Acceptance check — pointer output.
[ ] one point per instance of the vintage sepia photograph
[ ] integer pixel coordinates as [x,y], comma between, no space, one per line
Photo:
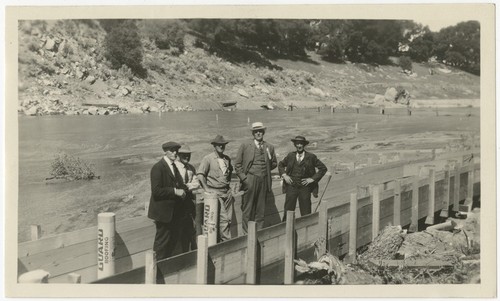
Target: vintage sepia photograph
[266,151]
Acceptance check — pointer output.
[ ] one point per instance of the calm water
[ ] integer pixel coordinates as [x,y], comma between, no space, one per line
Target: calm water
[124,147]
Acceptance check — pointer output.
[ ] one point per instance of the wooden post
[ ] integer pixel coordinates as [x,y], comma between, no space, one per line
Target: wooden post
[105,244]
[446,194]
[353,227]
[375,195]
[414,204]
[470,187]
[429,220]
[289,247]
[146,208]
[251,277]
[323,229]
[202,260]
[456,182]
[74,278]
[397,202]
[210,217]
[150,267]
[36,232]
[35,276]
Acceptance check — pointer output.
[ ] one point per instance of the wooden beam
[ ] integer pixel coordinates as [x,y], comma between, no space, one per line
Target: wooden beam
[150,267]
[446,194]
[470,188]
[353,227]
[323,229]
[414,204]
[74,278]
[202,260]
[456,182]
[289,248]
[429,220]
[251,273]
[375,194]
[36,232]
[397,202]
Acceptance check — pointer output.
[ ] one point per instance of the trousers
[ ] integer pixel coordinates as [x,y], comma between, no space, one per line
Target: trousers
[253,203]
[303,194]
[225,213]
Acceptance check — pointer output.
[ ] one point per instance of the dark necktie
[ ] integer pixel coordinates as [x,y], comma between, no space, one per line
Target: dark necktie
[177,174]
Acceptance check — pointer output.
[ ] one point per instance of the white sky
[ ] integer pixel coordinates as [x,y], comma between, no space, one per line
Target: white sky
[435,24]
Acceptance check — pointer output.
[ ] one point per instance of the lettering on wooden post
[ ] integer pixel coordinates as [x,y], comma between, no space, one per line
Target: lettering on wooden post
[375,194]
[150,267]
[289,247]
[251,277]
[397,202]
[446,193]
[414,204]
[105,244]
[202,260]
[429,220]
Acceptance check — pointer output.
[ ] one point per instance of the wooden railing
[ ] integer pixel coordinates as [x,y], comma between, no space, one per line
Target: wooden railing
[72,255]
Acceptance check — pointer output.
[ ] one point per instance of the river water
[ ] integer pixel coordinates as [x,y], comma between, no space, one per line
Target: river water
[123,148]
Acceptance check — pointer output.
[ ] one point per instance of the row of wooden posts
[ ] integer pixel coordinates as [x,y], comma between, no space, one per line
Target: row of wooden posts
[106,227]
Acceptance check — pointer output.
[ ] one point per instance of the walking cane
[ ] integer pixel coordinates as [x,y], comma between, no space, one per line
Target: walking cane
[329,175]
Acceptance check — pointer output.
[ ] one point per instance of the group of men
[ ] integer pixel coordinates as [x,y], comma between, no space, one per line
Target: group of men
[173,180]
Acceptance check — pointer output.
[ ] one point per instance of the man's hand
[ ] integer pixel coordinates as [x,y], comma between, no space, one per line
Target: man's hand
[180,192]
[306,181]
[287,179]
[244,185]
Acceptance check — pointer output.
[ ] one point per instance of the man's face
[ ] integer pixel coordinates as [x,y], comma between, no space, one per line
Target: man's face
[184,157]
[258,135]
[220,148]
[172,153]
[299,146]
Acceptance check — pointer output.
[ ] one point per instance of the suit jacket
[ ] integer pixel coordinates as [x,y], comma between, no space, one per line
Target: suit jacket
[309,163]
[164,205]
[245,156]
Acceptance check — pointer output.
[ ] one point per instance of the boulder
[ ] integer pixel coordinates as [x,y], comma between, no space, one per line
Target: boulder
[243,93]
[31,111]
[79,73]
[92,110]
[391,94]
[135,110]
[115,85]
[317,92]
[379,98]
[125,90]
[91,79]
[145,108]
[50,45]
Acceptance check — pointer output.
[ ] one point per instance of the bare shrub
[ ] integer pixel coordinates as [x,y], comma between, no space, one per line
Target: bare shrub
[66,166]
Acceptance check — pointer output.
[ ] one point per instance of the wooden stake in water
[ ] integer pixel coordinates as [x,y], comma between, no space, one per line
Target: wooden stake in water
[217,118]
[248,120]
[356,127]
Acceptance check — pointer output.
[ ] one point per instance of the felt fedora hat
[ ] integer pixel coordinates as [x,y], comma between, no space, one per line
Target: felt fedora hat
[184,149]
[300,139]
[258,126]
[170,146]
[219,140]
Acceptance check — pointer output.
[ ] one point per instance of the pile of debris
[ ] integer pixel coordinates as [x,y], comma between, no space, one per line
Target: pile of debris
[444,253]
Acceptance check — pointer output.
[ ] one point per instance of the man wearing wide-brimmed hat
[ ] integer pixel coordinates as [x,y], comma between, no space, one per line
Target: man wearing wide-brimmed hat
[301,172]
[214,174]
[253,164]
[167,206]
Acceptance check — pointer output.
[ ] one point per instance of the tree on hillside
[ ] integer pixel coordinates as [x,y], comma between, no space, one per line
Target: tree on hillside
[123,45]
[459,46]
[165,33]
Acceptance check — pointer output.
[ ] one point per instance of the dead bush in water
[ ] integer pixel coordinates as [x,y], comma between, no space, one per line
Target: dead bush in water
[71,168]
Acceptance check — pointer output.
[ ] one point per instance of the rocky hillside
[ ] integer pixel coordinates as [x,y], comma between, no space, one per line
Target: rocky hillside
[62,70]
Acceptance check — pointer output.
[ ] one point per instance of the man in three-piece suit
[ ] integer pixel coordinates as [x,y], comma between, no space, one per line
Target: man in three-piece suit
[168,206]
[254,161]
[301,172]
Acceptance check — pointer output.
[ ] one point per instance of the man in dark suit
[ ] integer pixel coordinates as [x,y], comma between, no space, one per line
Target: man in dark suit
[168,206]
[301,171]
[253,164]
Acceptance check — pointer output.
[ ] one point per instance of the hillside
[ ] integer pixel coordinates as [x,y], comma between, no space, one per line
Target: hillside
[62,70]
